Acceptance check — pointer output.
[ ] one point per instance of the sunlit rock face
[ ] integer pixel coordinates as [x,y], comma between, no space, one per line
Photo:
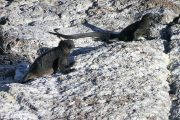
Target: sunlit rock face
[118,81]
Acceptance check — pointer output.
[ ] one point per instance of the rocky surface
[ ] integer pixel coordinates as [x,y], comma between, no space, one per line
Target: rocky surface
[116,81]
[119,81]
[174,68]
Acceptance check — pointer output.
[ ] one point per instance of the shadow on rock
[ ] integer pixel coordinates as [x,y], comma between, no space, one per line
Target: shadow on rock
[166,33]
[85,50]
[8,68]
[9,60]
[4,87]
[95,28]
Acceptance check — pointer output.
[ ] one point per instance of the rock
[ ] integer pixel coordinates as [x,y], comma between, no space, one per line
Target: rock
[115,94]
[118,81]
[175,70]
[20,71]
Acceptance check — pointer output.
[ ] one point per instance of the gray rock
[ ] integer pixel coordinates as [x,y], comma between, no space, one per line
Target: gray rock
[175,72]
[21,70]
[119,81]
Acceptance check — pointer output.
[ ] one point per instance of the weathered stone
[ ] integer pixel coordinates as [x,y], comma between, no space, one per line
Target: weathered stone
[119,81]
[174,67]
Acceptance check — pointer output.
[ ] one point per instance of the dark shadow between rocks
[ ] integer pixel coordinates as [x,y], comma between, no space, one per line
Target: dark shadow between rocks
[3,20]
[8,66]
[4,87]
[8,3]
[9,60]
[166,34]
[174,104]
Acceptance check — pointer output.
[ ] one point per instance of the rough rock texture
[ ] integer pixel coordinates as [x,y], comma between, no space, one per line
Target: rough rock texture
[119,81]
[115,81]
[174,68]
